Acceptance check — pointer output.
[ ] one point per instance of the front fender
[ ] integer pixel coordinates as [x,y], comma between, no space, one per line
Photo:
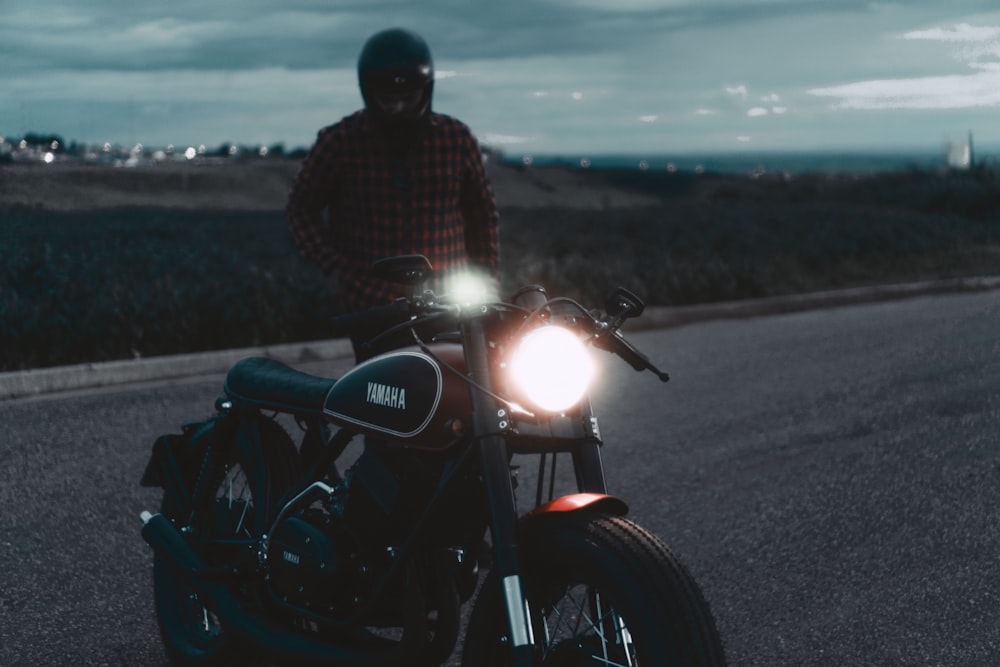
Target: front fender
[577,502]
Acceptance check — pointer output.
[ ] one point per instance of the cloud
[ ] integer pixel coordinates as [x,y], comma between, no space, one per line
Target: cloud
[976,41]
[942,92]
[738,91]
[494,139]
[981,88]
[962,32]
[510,68]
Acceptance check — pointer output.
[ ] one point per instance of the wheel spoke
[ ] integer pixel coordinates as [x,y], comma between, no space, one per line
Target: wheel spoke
[581,619]
[238,490]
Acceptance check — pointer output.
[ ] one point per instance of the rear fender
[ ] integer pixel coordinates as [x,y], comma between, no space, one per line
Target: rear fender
[176,459]
[583,502]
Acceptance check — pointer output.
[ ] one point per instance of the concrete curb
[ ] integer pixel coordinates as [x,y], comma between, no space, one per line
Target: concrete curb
[679,316]
[21,384]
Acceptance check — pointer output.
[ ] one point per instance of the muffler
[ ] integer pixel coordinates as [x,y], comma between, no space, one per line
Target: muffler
[281,644]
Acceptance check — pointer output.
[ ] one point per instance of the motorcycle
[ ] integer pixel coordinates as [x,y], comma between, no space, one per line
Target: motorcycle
[264,551]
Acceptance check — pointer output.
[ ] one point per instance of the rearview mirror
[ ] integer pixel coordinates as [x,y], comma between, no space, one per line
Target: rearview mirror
[623,304]
[403,269]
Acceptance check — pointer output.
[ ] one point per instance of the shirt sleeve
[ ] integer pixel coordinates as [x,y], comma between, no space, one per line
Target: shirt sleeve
[479,210]
[309,195]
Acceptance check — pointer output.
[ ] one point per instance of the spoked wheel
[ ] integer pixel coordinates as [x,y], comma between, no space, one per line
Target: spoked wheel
[601,591]
[225,529]
[581,627]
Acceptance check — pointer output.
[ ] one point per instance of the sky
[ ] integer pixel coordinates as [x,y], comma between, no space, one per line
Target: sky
[556,77]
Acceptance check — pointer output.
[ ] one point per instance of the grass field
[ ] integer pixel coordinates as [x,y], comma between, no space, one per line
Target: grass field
[100,284]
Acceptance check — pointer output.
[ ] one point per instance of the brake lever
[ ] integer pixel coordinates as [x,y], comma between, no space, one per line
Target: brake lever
[607,337]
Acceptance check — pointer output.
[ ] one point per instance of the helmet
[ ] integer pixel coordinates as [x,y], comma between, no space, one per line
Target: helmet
[396,75]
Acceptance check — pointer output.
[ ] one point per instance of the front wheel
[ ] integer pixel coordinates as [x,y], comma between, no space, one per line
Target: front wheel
[601,590]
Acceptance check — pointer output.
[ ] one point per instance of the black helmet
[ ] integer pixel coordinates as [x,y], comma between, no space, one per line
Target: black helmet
[396,75]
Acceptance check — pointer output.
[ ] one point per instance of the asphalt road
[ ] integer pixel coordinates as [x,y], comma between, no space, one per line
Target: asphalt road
[831,478]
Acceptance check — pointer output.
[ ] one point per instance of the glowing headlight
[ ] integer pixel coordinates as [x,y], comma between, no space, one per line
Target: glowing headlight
[552,367]
[469,288]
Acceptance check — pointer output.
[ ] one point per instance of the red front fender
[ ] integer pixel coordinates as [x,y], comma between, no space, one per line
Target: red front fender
[581,501]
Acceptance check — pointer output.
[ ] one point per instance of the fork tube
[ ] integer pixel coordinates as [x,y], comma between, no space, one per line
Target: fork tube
[587,459]
[499,491]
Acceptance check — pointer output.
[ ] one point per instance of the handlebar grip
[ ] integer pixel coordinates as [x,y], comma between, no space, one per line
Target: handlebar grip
[371,321]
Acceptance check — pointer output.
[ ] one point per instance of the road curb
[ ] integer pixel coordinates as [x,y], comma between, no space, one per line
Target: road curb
[655,318]
[21,384]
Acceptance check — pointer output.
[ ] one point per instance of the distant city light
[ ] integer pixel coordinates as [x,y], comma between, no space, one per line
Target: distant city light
[191,153]
[48,158]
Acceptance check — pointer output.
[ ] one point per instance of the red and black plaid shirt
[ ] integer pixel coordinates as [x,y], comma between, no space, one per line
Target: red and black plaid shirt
[436,201]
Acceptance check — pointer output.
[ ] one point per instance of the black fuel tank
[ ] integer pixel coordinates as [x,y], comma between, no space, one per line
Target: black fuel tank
[405,395]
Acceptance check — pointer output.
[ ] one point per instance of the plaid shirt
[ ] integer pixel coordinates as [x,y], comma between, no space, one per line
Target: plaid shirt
[435,201]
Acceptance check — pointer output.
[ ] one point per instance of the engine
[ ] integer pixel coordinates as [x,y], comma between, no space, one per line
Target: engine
[332,548]
[308,569]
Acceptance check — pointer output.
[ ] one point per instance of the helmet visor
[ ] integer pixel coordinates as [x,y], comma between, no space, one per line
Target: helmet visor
[400,102]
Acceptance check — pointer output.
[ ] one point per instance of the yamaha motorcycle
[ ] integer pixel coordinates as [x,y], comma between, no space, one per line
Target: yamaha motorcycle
[264,552]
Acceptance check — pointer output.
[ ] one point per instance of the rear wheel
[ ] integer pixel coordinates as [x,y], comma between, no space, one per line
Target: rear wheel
[192,634]
[601,591]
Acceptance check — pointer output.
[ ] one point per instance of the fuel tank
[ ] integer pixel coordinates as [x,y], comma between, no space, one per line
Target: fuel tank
[405,395]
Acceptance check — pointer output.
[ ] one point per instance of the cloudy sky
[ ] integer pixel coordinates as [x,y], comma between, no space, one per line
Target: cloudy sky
[532,76]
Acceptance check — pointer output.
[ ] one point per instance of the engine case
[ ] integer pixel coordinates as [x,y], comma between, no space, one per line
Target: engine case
[305,564]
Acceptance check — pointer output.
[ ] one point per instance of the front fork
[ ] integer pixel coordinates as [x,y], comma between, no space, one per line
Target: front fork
[495,459]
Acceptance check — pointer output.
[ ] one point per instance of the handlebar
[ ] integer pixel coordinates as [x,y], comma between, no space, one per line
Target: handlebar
[378,322]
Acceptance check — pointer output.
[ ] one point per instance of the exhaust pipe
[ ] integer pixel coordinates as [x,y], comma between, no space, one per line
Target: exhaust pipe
[167,541]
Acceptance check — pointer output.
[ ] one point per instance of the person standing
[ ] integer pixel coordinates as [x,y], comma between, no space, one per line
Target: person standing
[393,178]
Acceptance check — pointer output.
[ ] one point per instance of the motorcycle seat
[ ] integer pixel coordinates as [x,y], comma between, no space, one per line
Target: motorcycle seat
[267,383]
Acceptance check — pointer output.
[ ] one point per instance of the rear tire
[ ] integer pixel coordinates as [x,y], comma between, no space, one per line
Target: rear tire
[192,635]
[601,591]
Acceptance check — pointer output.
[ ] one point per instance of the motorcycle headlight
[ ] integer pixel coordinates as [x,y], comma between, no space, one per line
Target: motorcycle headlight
[552,368]
[468,287]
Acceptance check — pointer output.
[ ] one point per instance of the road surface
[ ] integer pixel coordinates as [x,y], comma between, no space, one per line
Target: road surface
[831,478]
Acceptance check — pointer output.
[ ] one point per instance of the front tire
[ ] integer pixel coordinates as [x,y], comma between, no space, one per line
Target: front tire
[601,591]
[192,634]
